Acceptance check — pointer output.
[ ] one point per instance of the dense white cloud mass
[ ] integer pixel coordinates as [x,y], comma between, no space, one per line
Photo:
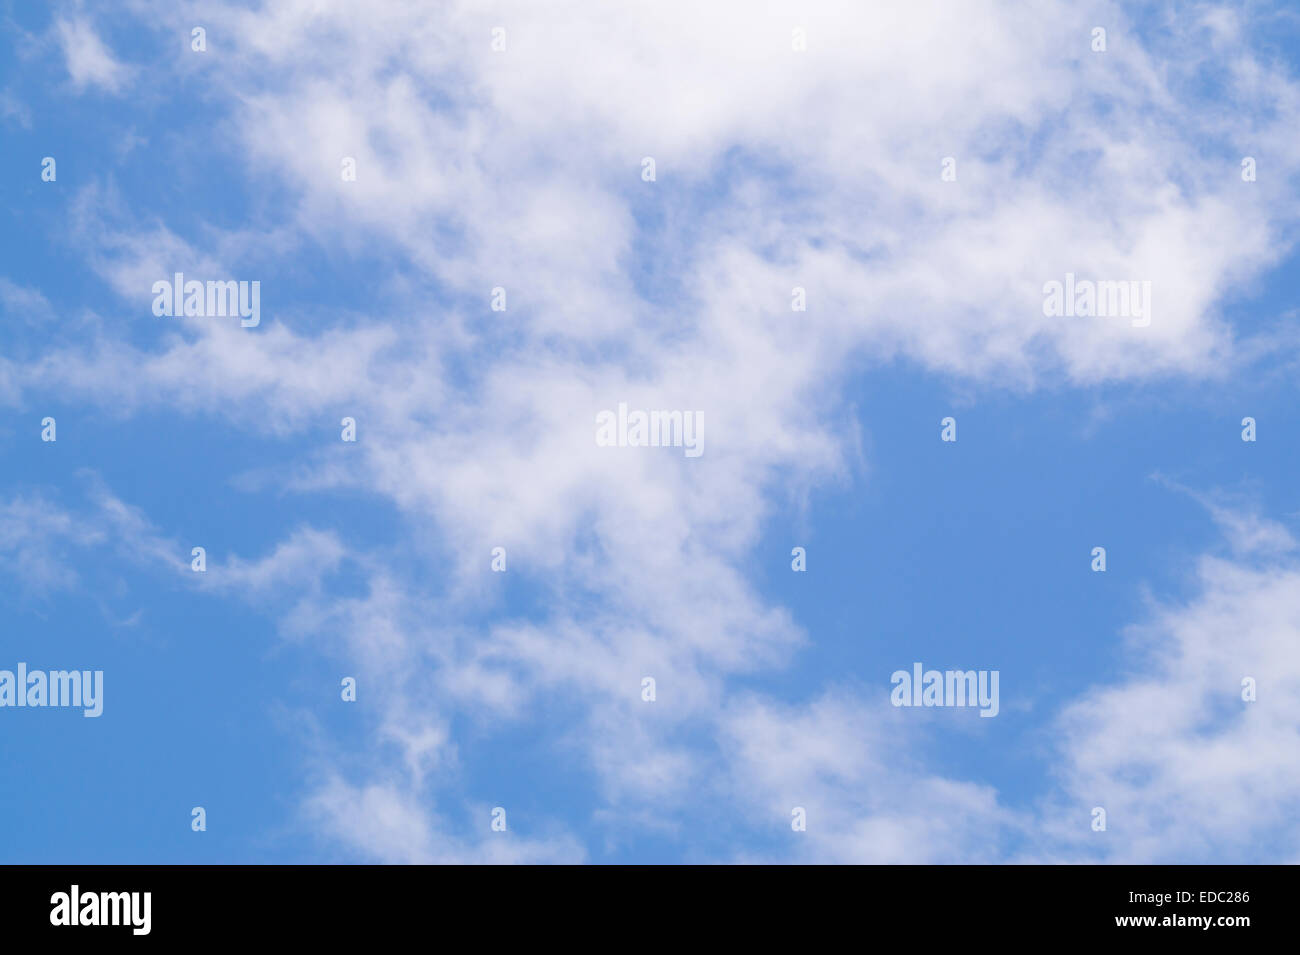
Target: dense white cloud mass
[774,169]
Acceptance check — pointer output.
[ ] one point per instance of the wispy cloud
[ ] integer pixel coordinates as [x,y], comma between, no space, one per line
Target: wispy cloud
[88,60]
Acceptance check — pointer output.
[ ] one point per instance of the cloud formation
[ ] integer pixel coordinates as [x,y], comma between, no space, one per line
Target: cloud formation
[775,169]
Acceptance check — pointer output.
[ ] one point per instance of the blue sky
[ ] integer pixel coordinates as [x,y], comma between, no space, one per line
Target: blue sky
[522,168]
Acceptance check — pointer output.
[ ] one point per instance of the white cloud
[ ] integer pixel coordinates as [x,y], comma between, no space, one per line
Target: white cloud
[1186,770]
[852,765]
[387,824]
[89,61]
[776,169]
[36,538]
